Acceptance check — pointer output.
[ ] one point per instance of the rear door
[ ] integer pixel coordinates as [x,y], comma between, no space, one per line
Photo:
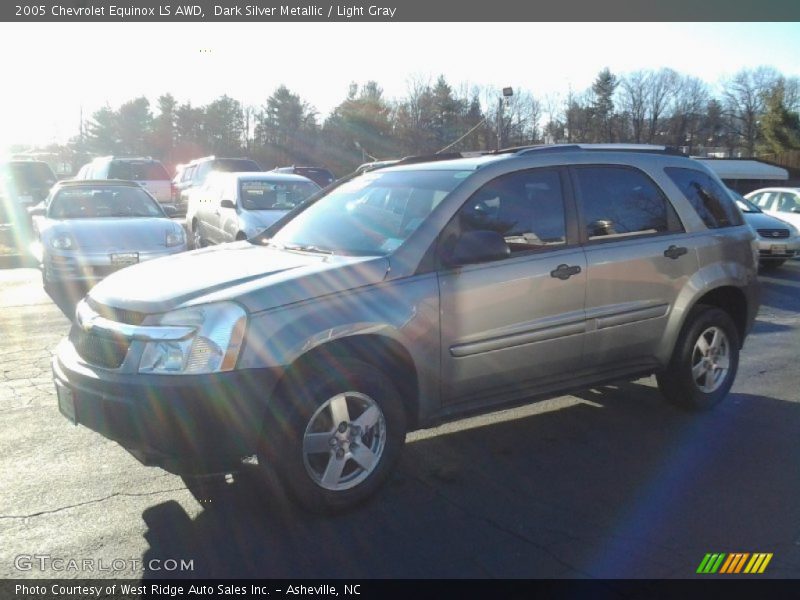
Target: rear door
[510,324]
[638,259]
[212,197]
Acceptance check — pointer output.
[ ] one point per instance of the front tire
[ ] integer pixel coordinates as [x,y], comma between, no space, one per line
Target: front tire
[704,362]
[769,265]
[334,433]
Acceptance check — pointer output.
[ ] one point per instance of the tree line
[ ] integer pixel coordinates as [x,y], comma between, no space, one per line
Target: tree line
[753,113]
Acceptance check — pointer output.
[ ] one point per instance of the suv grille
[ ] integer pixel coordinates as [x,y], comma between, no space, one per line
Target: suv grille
[773,233]
[101,351]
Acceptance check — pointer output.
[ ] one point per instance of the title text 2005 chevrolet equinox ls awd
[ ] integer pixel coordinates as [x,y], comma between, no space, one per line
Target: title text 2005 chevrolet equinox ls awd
[411,295]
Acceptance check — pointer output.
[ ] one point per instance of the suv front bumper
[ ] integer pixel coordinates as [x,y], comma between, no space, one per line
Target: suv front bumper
[186,424]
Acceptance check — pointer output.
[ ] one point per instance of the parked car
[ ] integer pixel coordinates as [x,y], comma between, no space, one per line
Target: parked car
[235,206]
[319,175]
[14,228]
[26,182]
[89,229]
[147,172]
[194,174]
[23,183]
[778,241]
[413,295]
[780,202]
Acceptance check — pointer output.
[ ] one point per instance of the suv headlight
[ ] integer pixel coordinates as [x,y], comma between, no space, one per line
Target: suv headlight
[214,347]
[62,242]
[175,238]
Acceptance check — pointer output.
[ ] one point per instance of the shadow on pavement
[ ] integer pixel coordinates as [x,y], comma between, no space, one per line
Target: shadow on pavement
[8,261]
[618,484]
[780,288]
[67,296]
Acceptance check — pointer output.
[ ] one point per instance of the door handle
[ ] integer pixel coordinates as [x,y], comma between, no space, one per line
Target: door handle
[564,272]
[674,252]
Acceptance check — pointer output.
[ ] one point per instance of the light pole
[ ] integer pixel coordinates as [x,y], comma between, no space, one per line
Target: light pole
[507,93]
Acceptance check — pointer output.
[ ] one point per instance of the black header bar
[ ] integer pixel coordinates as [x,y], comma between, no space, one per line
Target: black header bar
[399,11]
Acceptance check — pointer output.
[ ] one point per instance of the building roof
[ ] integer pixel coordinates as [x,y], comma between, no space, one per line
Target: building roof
[729,168]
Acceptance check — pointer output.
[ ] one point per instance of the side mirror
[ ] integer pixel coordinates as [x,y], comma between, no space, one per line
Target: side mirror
[170,210]
[227,204]
[37,211]
[475,247]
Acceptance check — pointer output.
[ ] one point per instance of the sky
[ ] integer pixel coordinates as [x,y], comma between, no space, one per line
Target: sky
[52,70]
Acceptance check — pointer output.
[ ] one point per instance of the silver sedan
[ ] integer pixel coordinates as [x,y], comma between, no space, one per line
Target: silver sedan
[88,229]
[778,240]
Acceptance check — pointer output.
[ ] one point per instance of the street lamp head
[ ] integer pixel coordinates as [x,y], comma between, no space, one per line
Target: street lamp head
[508,92]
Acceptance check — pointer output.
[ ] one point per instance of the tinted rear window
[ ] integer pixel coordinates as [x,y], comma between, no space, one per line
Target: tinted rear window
[712,203]
[621,201]
[315,174]
[137,171]
[232,165]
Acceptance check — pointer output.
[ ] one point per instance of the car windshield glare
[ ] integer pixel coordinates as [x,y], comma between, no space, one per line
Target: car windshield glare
[100,202]
[370,215]
[746,206]
[274,195]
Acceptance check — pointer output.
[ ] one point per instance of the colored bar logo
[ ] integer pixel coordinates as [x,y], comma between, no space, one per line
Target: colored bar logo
[736,562]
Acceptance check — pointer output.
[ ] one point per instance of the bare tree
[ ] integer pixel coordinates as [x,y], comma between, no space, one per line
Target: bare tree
[743,99]
[663,86]
[634,101]
[688,109]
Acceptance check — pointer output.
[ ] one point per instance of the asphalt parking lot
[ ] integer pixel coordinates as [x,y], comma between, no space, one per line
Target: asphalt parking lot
[608,483]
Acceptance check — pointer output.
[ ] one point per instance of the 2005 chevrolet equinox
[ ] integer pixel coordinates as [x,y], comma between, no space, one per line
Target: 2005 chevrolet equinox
[411,295]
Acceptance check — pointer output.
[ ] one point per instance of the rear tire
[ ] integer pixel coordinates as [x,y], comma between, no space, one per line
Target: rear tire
[334,434]
[769,265]
[704,362]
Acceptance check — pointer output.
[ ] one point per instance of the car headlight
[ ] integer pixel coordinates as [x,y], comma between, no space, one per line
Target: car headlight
[62,242]
[214,347]
[175,238]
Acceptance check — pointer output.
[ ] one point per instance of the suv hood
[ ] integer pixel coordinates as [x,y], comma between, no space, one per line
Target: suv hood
[763,221]
[259,277]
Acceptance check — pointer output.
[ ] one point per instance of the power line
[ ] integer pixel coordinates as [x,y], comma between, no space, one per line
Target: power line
[463,136]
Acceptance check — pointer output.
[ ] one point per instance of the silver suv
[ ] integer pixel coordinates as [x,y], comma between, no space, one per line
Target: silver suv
[236,206]
[411,295]
[194,174]
[147,172]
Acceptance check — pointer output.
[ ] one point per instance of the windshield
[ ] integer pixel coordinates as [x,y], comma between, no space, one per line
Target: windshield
[261,194]
[102,201]
[744,205]
[370,215]
[747,207]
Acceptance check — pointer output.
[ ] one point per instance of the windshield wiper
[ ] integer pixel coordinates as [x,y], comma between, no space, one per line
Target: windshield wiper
[307,248]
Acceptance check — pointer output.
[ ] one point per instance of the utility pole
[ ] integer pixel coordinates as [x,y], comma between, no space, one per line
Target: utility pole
[507,93]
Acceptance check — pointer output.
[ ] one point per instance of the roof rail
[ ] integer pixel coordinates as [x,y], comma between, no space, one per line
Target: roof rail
[410,160]
[648,148]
